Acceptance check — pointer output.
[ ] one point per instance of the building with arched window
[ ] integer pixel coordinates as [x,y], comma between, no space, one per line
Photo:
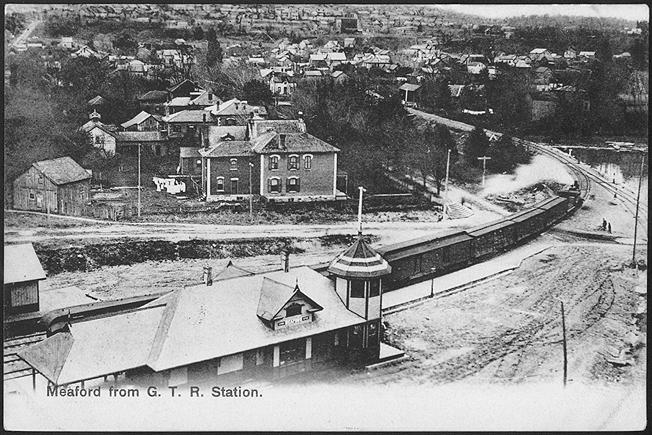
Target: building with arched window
[276,160]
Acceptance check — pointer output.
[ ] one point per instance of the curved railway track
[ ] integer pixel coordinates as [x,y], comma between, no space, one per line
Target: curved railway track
[584,176]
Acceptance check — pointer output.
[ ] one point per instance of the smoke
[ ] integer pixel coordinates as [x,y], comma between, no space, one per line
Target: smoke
[541,168]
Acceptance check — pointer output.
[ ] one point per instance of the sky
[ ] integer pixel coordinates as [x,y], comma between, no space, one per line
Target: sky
[625,11]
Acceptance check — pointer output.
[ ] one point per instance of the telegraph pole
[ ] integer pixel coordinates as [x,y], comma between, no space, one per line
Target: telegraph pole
[484,166]
[361,189]
[448,163]
[138,179]
[638,197]
[251,196]
[563,329]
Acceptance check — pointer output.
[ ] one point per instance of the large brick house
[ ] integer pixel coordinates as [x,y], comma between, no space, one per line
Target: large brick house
[278,160]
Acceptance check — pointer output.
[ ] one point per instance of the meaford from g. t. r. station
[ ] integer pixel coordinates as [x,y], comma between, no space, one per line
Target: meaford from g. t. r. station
[231,201]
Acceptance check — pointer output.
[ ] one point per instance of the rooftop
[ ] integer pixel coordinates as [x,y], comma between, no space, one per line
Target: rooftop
[21,264]
[63,170]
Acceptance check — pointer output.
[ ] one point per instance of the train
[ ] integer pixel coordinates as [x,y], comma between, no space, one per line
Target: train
[429,256]
[412,261]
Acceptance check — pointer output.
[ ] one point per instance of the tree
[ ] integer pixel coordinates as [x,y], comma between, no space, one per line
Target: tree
[198,33]
[125,42]
[503,155]
[214,52]
[476,145]
[257,92]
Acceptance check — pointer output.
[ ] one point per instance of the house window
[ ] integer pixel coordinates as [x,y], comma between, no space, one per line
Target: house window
[40,179]
[374,288]
[273,162]
[275,185]
[234,186]
[234,164]
[220,184]
[307,162]
[293,184]
[198,163]
[31,196]
[357,288]
[98,140]
[293,162]
[293,310]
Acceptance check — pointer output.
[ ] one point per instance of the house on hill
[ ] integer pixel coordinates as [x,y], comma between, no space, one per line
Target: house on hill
[22,273]
[57,186]
[283,162]
[143,122]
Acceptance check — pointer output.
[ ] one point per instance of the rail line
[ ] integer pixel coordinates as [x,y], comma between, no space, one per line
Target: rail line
[584,176]
[13,366]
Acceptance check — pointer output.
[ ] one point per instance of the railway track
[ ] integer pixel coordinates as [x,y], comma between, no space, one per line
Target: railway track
[13,366]
[584,176]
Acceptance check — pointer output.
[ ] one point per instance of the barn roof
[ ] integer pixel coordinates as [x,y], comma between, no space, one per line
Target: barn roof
[21,264]
[63,170]
[359,261]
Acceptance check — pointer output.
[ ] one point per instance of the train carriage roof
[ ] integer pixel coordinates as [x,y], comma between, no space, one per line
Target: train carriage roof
[487,228]
[423,244]
[551,202]
[526,214]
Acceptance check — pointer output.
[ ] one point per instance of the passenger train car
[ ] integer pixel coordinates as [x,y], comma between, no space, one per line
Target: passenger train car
[429,256]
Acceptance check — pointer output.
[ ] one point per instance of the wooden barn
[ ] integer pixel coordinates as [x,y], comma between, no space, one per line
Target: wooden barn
[58,186]
[22,274]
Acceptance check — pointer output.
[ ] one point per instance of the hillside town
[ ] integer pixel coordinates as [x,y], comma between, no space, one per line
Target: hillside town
[404,162]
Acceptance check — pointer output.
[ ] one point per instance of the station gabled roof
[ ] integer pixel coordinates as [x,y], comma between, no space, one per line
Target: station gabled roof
[359,261]
[21,264]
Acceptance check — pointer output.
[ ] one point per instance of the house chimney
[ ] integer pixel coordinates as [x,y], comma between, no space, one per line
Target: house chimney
[285,260]
[208,275]
[281,138]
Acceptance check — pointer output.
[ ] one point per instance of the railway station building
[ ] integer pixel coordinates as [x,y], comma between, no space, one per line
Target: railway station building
[237,323]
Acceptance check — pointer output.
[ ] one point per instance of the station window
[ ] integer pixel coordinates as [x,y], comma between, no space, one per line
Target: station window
[234,164]
[220,184]
[307,162]
[374,288]
[293,310]
[357,289]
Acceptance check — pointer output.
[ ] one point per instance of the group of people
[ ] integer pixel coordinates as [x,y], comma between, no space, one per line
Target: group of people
[606,226]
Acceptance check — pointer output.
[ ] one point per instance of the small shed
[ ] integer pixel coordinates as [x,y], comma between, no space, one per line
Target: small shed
[22,273]
[410,92]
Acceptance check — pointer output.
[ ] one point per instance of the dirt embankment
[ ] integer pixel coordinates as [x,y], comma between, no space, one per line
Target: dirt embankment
[85,257]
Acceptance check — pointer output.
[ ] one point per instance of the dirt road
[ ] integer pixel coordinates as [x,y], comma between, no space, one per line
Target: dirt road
[509,330]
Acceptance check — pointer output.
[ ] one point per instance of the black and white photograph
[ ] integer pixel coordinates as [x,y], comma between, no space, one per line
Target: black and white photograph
[325,217]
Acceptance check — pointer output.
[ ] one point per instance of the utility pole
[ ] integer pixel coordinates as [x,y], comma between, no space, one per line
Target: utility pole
[251,196]
[638,197]
[448,164]
[138,179]
[484,166]
[563,329]
[362,189]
